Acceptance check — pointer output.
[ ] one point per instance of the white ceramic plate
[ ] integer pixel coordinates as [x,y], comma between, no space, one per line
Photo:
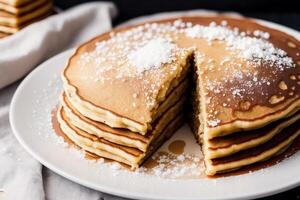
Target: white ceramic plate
[30,121]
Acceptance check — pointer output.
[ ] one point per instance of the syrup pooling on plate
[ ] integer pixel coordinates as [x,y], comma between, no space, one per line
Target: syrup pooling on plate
[177,147]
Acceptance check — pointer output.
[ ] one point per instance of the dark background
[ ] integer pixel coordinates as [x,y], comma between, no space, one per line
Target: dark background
[286,12]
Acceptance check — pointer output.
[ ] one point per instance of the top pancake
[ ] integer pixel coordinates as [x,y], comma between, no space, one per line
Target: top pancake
[105,80]
[3,35]
[236,93]
[17,11]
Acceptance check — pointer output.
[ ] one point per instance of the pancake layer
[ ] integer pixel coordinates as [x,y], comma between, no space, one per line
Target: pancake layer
[3,35]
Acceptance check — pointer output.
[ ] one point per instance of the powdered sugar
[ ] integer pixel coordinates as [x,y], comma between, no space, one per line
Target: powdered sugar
[213,123]
[47,99]
[249,48]
[258,50]
[211,32]
[261,34]
[174,166]
[153,55]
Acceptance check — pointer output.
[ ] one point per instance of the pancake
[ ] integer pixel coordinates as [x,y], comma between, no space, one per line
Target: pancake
[3,35]
[16,21]
[122,136]
[22,9]
[245,93]
[12,30]
[228,145]
[103,148]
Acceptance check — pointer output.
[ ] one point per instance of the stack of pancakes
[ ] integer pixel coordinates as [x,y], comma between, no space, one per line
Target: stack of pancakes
[16,14]
[125,91]
[132,115]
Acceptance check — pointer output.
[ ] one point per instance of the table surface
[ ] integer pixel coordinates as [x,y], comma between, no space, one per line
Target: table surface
[286,13]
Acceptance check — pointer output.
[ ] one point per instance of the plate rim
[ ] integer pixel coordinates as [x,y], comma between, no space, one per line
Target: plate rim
[114,191]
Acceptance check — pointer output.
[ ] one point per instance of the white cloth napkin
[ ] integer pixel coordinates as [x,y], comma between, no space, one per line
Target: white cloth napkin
[21,52]
[21,177]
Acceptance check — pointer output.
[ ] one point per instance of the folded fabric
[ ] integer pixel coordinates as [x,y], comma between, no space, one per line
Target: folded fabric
[20,175]
[24,50]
